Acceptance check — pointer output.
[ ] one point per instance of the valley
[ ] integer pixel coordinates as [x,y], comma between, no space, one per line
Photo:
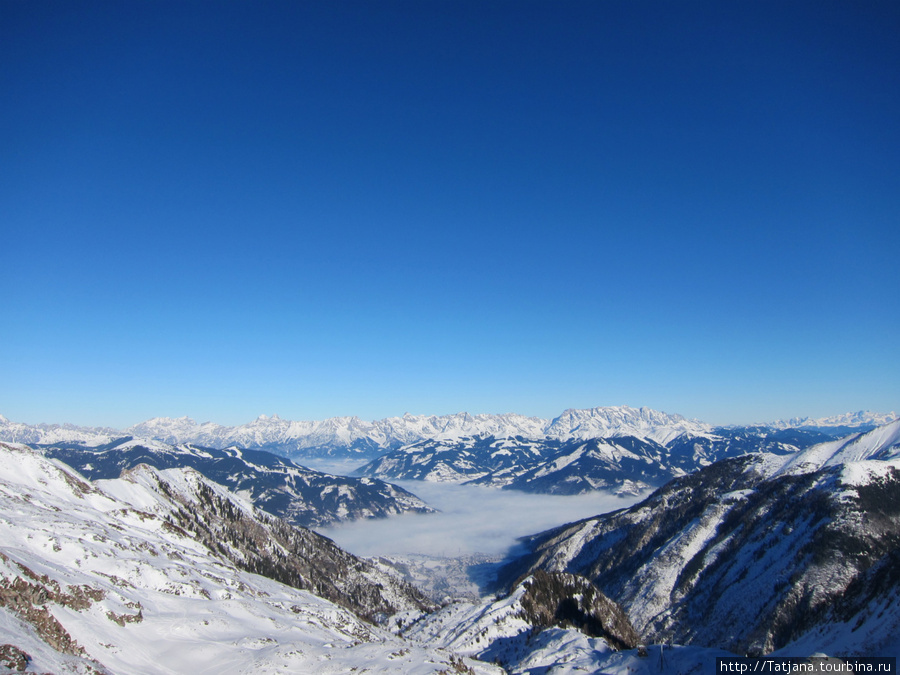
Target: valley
[457,552]
[448,337]
[762,540]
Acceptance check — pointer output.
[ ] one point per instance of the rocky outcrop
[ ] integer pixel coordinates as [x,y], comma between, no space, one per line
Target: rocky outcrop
[271,547]
[13,658]
[571,601]
[741,555]
[30,596]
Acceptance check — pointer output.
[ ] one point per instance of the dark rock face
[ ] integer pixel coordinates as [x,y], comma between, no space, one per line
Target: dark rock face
[571,601]
[730,558]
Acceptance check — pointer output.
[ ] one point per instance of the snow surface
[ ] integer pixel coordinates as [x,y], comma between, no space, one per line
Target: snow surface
[389,433]
[495,629]
[718,580]
[882,443]
[163,603]
[160,601]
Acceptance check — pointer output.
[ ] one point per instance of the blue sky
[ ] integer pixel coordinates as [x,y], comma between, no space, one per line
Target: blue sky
[369,208]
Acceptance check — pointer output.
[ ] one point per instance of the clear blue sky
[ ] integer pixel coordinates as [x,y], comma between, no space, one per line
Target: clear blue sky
[223,209]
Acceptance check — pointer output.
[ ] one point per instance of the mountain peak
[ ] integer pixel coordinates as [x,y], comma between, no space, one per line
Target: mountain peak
[363,439]
[623,420]
[848,419]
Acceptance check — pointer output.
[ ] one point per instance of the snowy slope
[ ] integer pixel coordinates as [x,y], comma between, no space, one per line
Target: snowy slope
[104,581]
[506,630]
[754,553]
[881,443]
[275,484]
[525,637]
[622,464]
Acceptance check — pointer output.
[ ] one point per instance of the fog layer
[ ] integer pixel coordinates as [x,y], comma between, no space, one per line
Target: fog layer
[471,520]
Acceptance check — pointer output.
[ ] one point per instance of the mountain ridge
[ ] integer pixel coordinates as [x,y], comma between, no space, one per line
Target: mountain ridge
[625,465]
[354,437]
[275,484]
[751,554]
[164,572]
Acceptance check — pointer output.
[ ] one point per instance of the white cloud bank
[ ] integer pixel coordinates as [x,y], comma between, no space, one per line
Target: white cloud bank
[472,520]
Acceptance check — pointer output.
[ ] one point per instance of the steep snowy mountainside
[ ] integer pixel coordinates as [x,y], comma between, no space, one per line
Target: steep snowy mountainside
[274,484]
[880,443]
[112,579]
[260,543]
[558,623]
[752,553]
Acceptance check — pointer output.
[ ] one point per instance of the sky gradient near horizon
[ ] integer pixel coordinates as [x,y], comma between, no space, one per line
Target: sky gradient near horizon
[318,209]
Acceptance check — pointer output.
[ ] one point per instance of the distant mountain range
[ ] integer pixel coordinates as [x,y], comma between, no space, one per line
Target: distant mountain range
[353,437]
[621,464]
[787,550]
[621,449]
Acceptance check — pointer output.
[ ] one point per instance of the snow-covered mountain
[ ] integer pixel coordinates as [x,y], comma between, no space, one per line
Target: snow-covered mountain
[838,424]
[341,436]
[753,554]
[18,432]
[149,573]
[609,422]
[501,630]
[353,437]
[164,571]
[622,464]
[273,483]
